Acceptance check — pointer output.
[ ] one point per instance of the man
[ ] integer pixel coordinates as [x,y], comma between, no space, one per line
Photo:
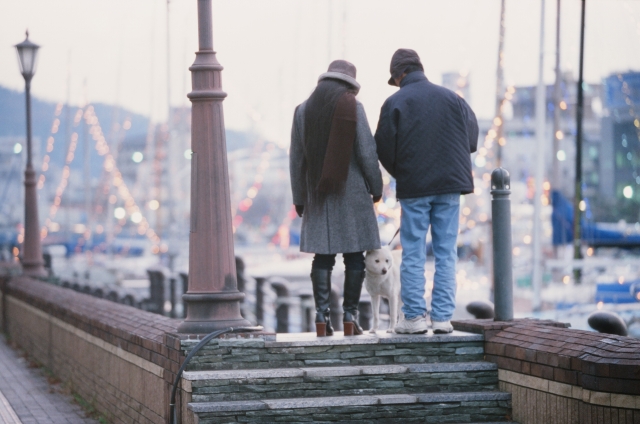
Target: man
[424,139]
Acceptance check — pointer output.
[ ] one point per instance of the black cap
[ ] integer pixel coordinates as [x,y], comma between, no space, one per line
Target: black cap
[401,60]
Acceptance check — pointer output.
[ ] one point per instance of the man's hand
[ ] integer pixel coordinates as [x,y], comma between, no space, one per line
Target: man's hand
[299,210]
[376,199]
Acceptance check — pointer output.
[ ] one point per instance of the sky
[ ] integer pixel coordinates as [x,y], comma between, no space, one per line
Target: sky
[116,51]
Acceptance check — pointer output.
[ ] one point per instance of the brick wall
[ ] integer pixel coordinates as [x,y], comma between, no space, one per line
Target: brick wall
[113,355]
[549,368]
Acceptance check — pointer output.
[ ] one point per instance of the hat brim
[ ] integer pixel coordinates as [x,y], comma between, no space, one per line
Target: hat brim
[392,82]
[340,76]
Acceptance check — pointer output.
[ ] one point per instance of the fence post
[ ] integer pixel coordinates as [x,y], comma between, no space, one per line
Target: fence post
[260,300]
[281,287]
[172,296]
[502,252]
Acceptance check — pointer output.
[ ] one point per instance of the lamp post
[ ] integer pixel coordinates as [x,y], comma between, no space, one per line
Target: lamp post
[212,298]
[32,262]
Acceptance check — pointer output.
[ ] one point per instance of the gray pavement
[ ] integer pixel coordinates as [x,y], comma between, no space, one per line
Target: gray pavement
[27,397]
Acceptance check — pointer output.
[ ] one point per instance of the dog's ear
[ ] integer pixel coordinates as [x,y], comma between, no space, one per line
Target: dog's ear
[368,252]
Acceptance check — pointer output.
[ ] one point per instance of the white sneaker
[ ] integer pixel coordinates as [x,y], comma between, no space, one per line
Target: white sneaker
[417,325]
[441,327]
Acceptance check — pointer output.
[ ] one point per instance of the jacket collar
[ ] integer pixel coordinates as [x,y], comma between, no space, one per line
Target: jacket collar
[414,76]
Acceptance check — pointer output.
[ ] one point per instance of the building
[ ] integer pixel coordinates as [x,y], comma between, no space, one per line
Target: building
[620,151]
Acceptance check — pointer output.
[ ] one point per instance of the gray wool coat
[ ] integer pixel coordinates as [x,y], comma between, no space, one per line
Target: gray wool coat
[345,222]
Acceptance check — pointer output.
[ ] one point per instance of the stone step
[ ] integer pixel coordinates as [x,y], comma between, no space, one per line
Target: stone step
[233,385]
[307,350]
[406,408]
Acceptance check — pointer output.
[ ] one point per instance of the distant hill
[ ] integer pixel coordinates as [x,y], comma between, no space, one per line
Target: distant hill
[12,124]
[13,117]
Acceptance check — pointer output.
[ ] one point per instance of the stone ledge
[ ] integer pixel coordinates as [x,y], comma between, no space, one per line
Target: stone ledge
[489,327]
[381,337]
[337,371]
[591,361]
[323,402]
[138,332]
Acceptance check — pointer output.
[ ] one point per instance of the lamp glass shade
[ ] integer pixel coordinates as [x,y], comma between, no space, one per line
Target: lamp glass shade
[27,55]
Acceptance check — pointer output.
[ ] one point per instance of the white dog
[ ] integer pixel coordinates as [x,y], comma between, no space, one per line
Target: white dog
[382,279]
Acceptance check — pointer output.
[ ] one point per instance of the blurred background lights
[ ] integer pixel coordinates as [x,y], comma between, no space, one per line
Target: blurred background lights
[480,161]
[561,155]
[137,157]
[136,217]
[187,154]
[119,213]
[627,192]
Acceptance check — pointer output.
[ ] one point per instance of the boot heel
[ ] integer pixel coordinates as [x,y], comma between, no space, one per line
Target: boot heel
[321,329]
[348,328]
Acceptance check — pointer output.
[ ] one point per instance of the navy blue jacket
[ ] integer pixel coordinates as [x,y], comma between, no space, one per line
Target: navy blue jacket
[425,136]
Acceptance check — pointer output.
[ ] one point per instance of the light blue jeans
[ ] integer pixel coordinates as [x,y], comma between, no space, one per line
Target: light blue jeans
[441,212]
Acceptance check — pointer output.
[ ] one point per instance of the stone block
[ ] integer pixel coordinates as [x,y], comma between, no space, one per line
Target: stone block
[397,399]
[328,402]
[470,350]
[331,372]
[383,369]
[326,362]
[210,407]
[243,343]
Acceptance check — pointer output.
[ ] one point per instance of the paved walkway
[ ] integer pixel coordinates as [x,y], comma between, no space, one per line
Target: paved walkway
[26,396]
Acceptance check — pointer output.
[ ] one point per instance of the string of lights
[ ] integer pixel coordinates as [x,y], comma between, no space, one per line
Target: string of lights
[50,224]
[130,206]
[50,144]
[245,204]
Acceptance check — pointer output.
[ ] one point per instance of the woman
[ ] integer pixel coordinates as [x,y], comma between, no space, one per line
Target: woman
[334,174]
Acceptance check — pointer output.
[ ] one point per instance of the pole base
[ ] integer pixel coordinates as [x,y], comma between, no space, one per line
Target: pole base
[207,312]
[34,269]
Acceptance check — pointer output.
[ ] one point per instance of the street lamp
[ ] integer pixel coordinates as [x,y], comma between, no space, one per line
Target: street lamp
[32,262]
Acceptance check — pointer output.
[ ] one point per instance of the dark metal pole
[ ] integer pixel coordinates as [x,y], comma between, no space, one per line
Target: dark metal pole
[212,300]
[32,262]
[502,253]
[555,174]
[499,120]
[577,213]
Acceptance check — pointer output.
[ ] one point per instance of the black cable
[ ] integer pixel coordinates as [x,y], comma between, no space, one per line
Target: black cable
[203,342]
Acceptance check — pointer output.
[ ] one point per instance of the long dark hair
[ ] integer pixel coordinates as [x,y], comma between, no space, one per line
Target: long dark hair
[318,115]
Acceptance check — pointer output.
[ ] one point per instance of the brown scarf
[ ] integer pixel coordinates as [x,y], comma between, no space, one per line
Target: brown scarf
[335,168]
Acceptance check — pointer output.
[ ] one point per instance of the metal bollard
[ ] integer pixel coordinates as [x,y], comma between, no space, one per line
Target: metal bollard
[172,296]
[260,300]
[365,313]
[155,303]
[502,253]
[281,287]
[307,309]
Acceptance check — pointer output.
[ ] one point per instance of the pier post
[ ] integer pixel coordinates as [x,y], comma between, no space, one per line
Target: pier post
[502,251]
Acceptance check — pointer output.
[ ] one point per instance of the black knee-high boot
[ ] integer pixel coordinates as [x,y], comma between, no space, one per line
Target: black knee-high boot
[352,289]
[321,279]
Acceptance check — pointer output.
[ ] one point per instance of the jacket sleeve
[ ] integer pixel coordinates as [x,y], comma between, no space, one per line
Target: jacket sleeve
[297,163]
[386,138]
[365,152]
[471,123]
